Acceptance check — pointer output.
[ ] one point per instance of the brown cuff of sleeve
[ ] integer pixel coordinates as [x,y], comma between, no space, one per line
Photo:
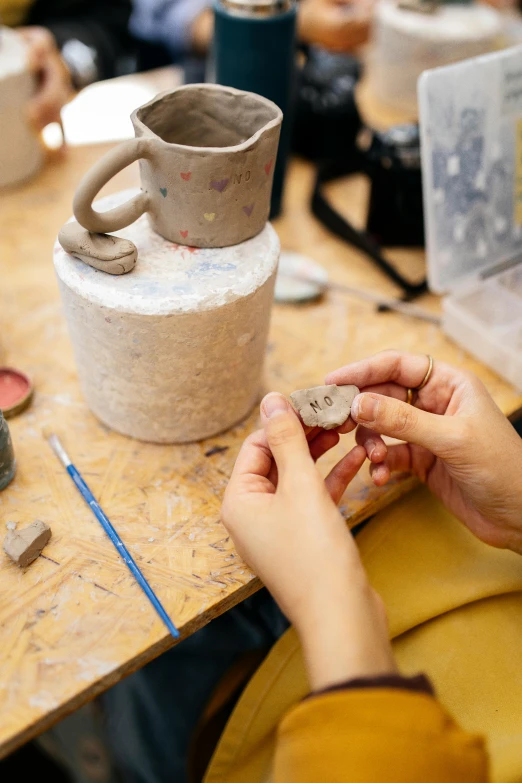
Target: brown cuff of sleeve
[418,684]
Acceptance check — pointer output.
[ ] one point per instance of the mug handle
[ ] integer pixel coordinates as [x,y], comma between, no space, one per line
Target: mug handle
[103,170]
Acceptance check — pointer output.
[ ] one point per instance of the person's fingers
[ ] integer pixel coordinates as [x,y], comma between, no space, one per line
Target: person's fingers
[372,442]
[42,53]
[348,426]
[380,473]
[311,432]
[398,460]
[388,416]
[254,458]
[35,59]
[273,475]
[387,390]
[345,470]
[39,44]
[285,436]
[404,369]
[323,442]
[52,94]
[403,458]
[54,87]
[319,442]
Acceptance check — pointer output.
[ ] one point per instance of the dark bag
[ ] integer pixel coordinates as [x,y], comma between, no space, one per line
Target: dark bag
[329,131]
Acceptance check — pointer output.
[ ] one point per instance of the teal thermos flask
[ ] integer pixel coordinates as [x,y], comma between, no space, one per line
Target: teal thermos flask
[255,50]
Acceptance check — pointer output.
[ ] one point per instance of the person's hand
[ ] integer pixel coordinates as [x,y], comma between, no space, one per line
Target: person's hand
[337,25]
[457,440]
[283,519]
[54,87]
[202,31]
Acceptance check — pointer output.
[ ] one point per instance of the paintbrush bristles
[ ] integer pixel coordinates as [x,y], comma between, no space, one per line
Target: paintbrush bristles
[57,447]
[46,431]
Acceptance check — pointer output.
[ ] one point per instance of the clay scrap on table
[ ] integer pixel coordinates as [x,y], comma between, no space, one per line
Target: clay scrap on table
[324,406]
[24,546]
[110,254]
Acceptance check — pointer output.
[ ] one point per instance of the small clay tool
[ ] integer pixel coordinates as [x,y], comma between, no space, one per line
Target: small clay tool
[324,406]
[104,521]
[300,279]
[24,546]
[105,252]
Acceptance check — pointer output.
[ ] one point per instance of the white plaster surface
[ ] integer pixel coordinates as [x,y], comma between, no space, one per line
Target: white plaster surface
[174,350]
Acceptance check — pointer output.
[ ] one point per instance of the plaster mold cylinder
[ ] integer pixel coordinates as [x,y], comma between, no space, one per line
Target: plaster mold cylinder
[172,352]
[405,43]
[21,154]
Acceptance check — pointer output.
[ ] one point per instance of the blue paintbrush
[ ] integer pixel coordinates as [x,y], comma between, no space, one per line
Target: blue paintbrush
[122,550]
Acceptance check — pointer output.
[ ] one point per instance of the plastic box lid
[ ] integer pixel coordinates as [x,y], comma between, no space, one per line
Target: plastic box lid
[471,137]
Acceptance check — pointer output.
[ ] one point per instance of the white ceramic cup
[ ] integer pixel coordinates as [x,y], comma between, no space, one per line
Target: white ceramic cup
[21,152]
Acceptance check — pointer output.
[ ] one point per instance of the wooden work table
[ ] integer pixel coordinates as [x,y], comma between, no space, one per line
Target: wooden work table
[75,622]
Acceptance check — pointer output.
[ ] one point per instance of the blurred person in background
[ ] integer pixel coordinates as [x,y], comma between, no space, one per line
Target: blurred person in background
[176,30]
[72,43]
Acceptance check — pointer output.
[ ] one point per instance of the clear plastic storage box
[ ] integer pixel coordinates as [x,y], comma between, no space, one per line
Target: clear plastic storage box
[471,130]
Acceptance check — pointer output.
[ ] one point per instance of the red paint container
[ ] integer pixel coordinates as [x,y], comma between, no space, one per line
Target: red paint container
[16,391]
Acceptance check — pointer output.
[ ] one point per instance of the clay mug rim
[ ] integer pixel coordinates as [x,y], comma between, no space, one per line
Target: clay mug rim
[217,88]
[131,150]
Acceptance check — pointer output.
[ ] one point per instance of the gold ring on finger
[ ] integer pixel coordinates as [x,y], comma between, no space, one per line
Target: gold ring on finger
[428,373]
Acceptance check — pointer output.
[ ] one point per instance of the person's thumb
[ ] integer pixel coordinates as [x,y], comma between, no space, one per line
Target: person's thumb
[389,416]
[285,435]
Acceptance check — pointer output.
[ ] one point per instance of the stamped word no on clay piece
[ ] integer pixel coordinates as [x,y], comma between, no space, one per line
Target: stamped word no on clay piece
[324,406]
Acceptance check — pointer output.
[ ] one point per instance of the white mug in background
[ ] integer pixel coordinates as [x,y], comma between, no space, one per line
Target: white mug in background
[21,152]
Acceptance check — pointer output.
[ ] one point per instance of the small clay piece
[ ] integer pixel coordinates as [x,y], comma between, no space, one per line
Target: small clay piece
[110,254]
[324,406]
[24,546]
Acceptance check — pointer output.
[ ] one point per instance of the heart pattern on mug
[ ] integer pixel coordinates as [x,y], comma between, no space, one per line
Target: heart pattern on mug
[209,216]
[163,192]
[186,175]
[219,184]
[268,166]
[184,234]
[247,209]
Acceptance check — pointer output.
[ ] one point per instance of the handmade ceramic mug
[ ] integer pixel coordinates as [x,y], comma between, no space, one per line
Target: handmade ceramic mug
[207,156]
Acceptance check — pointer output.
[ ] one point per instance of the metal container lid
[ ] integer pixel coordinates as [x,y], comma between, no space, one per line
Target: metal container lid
[257,7]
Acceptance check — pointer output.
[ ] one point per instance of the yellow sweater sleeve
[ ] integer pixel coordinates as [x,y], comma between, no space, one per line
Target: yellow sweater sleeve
[376,734]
